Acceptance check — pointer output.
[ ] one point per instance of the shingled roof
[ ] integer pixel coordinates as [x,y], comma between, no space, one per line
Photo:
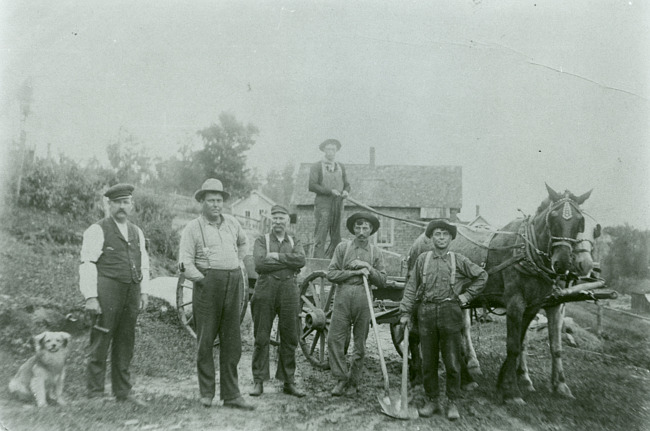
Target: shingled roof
[397,186]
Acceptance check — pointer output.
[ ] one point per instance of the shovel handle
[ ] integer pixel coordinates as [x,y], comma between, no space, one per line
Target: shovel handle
[405,368]
[375,330]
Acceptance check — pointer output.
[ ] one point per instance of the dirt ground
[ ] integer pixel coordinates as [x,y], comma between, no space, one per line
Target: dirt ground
[609,397]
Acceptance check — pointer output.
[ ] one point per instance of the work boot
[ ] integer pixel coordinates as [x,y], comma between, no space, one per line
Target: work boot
[258,389]
[130,399]
[469,387]
[238,403]
[291,389]
[452,411]
[339,389]
[429,408]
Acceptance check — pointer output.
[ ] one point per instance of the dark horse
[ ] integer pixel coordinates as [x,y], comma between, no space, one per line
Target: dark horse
[525,260]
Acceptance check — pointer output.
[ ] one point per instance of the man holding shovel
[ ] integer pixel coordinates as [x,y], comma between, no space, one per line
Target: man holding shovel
[438,286]
[351,263]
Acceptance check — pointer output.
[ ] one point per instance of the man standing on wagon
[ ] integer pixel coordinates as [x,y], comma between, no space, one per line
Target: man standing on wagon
[438,286]
[211,247]
[352,261]
[278,259]
[327,178]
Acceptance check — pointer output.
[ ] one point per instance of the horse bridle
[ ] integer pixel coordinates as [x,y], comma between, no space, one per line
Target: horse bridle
[567,214]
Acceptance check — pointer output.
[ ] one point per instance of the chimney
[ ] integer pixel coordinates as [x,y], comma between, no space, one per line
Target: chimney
[372,157]
[478,210]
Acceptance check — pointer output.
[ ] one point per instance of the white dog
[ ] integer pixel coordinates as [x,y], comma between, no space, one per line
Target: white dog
[41,377]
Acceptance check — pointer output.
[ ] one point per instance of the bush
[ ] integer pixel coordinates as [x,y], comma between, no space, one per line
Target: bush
[154,216]
[62,187]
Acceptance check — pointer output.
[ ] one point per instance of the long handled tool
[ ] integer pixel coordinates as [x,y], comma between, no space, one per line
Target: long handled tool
[390,404]
[405,412]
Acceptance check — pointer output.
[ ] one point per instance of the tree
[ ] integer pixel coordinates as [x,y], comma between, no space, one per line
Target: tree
[279,184]
[223,155]
[131,161]
[629,253]
[25,98]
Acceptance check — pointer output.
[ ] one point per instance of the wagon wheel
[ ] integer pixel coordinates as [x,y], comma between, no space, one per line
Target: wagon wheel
[317,297]
[184,290]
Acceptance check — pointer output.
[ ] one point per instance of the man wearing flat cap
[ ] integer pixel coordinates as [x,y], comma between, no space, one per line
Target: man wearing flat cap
[113,273]
[278,259]
[327,178]
[440,283]
[211,248]
[352,261]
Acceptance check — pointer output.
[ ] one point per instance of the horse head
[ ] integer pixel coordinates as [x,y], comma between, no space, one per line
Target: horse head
[558,225]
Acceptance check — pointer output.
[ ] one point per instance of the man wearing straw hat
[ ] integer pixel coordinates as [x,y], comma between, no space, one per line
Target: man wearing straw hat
[352,261]
[438,286]
[327,178]
[211,247]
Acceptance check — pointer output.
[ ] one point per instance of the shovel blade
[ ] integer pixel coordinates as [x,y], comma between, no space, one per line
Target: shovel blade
[391,405]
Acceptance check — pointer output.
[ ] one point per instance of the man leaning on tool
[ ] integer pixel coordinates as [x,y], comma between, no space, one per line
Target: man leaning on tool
[327,178]
[278,258]
[436,287]
[114,267]
[210,250]
[352,261]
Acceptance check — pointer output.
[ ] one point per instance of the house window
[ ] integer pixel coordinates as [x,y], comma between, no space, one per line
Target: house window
[247,214]
[262,211]
[385,236]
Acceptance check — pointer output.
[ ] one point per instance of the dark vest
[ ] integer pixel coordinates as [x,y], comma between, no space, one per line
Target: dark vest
[120,259]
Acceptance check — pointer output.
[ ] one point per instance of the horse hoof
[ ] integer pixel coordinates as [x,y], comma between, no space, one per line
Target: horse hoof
[564,391]
[528,386]
[516,401]
[474,369]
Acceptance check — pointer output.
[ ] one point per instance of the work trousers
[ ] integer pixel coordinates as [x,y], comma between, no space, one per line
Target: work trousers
[350,310]
[273,298]
[440,325]
[216,305]
[120,304]
[323,215]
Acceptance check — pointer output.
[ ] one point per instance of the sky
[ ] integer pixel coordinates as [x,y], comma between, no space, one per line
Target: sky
[518,93]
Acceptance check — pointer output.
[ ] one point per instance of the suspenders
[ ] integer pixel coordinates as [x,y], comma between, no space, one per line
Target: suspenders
[427,261]
[268,242]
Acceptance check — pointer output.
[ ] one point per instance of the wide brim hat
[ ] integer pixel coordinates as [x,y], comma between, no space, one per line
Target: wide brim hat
[211,185]
[329,141]
[117,191]
[374,221]
[440,224]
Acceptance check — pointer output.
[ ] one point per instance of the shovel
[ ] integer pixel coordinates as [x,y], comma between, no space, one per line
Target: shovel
[391,404]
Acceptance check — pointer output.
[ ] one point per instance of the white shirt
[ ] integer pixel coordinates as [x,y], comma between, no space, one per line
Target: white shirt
[92,248]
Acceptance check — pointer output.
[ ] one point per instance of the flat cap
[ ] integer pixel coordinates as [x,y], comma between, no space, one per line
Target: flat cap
[328,142]
[440,224]
[279,209]
[121,190]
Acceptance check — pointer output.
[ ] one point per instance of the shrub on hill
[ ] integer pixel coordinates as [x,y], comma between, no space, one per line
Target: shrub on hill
[63,187]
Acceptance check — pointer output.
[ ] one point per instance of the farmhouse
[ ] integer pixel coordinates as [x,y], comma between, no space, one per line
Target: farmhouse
[253,211]
[408,192]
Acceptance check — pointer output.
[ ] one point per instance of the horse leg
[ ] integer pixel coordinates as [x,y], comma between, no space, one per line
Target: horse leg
[523,378]
[507,380]
[473,367]
[555,316]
